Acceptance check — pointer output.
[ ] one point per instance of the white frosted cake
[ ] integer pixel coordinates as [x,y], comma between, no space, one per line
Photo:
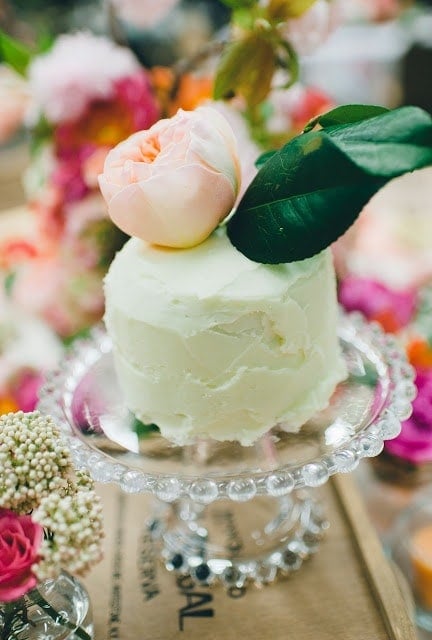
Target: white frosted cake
[209,343]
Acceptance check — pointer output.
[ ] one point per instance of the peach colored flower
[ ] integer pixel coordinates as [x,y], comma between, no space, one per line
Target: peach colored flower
[20,541]
[172,184]
[248,151]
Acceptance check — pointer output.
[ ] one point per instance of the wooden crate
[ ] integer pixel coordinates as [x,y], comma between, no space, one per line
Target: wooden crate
[347,591]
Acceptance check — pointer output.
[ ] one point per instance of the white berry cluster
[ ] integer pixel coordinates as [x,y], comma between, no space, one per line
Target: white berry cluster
[75,531]
[37,477]
[33,461]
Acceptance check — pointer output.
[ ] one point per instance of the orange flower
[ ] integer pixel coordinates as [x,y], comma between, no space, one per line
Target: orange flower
[192,91]
[419,353]
[387,319]
[8,405]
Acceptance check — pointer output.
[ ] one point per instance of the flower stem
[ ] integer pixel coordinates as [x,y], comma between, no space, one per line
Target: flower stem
[38,599]
[9,618]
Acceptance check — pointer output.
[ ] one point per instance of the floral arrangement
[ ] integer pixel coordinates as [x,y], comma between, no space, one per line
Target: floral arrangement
[88,93]
[28,347]
[407,315]
[50,517]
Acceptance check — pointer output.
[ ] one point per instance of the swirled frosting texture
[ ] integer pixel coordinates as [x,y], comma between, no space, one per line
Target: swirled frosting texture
[209,343]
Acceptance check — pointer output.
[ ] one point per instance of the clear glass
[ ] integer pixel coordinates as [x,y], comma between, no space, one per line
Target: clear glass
[59,609]
[409,544]
[207,484]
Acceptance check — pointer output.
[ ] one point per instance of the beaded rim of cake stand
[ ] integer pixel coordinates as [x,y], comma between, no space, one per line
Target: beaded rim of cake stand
[396,377]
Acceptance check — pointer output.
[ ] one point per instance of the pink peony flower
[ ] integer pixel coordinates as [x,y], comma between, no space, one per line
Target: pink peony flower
[414,443]
[172,184]
[393,309]
[79,68]
[68,178]
[20,541]
[143,13]
[136,95]
[313,27]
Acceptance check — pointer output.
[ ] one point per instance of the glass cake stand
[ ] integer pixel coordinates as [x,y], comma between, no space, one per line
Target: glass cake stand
[225,512]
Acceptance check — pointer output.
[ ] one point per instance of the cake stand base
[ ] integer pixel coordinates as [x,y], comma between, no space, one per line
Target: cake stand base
[233,543]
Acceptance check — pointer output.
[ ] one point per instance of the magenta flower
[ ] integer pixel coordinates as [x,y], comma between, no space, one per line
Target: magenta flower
[20,541]
[27,389]
[392,309]
[136,95]
[414,443]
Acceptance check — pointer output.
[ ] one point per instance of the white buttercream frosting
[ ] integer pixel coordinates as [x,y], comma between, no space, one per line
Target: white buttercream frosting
[209,343]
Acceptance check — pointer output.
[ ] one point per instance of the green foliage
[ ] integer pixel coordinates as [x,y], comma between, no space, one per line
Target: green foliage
[246,69]
[311,191]
[283,9]
[14,53]
[345,114]
[239,4]
[143,430]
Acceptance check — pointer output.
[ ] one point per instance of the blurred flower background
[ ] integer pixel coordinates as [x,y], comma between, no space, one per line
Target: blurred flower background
[77,77]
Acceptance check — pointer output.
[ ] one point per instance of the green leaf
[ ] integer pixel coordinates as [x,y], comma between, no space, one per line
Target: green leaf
[246,68]
[345,114]
[14,53]
[262,159]
[143,430]
[310,192]
[283,9]
[239,4]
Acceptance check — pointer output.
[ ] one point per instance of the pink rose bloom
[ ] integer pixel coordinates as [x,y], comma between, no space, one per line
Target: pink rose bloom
[172,184]
[20,541]
[79,68]
[307,32]
[143,13]
[415,440]
[393,309]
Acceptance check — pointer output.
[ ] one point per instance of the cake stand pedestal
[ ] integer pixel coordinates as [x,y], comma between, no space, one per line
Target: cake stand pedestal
[225,512]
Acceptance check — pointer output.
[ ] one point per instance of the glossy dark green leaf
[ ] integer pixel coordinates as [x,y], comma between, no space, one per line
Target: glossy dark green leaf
[310,192]
[345,114]
[263,158]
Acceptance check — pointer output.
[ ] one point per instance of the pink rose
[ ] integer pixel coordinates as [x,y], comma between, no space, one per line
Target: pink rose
[20,540]
[172,184]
